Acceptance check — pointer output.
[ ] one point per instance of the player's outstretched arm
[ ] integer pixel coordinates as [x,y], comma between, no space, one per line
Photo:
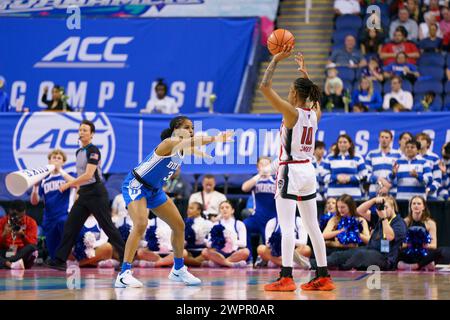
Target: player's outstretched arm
[287,110]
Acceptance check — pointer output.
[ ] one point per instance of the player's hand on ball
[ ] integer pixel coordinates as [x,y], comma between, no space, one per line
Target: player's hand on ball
[284,53]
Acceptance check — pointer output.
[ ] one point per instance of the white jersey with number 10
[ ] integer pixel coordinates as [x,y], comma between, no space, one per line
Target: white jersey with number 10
[298,143]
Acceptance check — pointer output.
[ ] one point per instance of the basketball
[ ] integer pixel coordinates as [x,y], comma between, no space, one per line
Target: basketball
[278,38]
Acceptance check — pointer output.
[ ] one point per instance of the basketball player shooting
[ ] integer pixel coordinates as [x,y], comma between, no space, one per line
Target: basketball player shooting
[296,179]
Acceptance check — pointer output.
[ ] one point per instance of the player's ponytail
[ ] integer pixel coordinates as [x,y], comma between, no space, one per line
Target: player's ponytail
[175,123]
[306,89]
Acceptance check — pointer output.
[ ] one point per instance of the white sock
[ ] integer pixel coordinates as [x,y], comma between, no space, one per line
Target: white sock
[308,213]
[286,219]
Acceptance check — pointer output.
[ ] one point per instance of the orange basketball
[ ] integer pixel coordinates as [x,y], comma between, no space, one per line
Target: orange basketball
[278,38]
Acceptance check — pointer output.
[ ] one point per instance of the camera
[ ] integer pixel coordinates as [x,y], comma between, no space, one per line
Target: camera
[380,206]
[14,222]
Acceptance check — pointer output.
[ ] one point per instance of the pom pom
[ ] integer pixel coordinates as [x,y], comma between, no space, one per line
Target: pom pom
[352,229]
[189,233]
[324,219]
[124,230]
[416,239]
[275,243]
[152,240]
[164,236]
[217,237]
[89,241]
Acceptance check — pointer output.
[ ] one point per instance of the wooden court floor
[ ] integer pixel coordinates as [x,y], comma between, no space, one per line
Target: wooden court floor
[218,284]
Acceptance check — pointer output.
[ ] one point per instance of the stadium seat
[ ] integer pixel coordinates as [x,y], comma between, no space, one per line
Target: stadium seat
[337,46]
[346,74]
[447,87]
[377,86]
[348,85]
[435,106]
[448,61]
[424,86]
[339,35]
[188,178]
[236,180]
[348,21]
[406,85]
[432,59]
[427,72]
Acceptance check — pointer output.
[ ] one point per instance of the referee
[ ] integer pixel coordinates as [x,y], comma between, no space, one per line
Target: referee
[92,199]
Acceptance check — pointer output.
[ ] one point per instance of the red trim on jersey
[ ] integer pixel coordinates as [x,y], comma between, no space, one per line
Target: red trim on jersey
[294,161]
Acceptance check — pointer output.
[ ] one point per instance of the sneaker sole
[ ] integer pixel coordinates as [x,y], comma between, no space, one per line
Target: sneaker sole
[281,290]
[176,279]
[119,284]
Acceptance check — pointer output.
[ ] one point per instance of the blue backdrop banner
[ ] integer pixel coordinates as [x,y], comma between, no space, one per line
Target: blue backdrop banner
[26,139]
[111,65]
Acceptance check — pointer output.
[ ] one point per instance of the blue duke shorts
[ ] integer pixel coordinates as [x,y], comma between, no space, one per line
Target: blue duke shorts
[133,190]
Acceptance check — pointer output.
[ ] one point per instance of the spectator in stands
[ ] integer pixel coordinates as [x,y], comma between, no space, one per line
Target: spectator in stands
[413,9]
[444,165]
[162,103]
[5,105]
[58,101]
[227,243]
[263,190]
[399,43]
[373,70]
[269,253]
[329,212]
[176,187]
[379,164]
[319,153]
[345,170]
[359,108]
[419,217]
[333,93]
[444,26]
[197,229]
[348,56]
[347,7]
[367,95]
[401,69]
[411,174]
[208,197]
[433,160]
[346,209]
[56,204]
[425,103]
[119,210]
[433,42]
[155,250]
[448,73]
[18,238]
[433,7]
[424,27]
[92,248]
[398,99]
[409,24]
[371,41]
[403,139]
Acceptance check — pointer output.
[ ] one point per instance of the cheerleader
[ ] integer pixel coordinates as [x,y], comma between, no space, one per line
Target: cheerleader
[197,229]
[345,230]
[92,248]
[419,251]
[155,250]
[227,245]
[330,212]
[271,251]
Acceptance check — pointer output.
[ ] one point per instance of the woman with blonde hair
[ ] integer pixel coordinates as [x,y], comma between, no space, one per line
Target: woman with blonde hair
[367,95]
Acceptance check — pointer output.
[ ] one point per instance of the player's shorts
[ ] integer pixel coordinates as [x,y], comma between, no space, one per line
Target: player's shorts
[296,180]
[133,190]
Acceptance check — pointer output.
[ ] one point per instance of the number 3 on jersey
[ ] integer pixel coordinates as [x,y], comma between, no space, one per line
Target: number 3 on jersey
[307,135]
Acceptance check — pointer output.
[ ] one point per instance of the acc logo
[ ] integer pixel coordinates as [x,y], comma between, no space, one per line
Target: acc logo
[37,134]
[76,52]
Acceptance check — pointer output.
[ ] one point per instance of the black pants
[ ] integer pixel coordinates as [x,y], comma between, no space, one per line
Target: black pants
[93,200]
[335,99]
[356,258]
[25,253]
[434,255]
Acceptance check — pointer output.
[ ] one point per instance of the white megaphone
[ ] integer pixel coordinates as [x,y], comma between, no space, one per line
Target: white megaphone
[19,182]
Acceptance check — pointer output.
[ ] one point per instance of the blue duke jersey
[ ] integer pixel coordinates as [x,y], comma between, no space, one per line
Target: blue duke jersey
[57,204]
[148,178]
[263,194]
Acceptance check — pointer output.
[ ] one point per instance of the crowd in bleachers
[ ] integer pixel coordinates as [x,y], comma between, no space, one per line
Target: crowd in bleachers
[398,53]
